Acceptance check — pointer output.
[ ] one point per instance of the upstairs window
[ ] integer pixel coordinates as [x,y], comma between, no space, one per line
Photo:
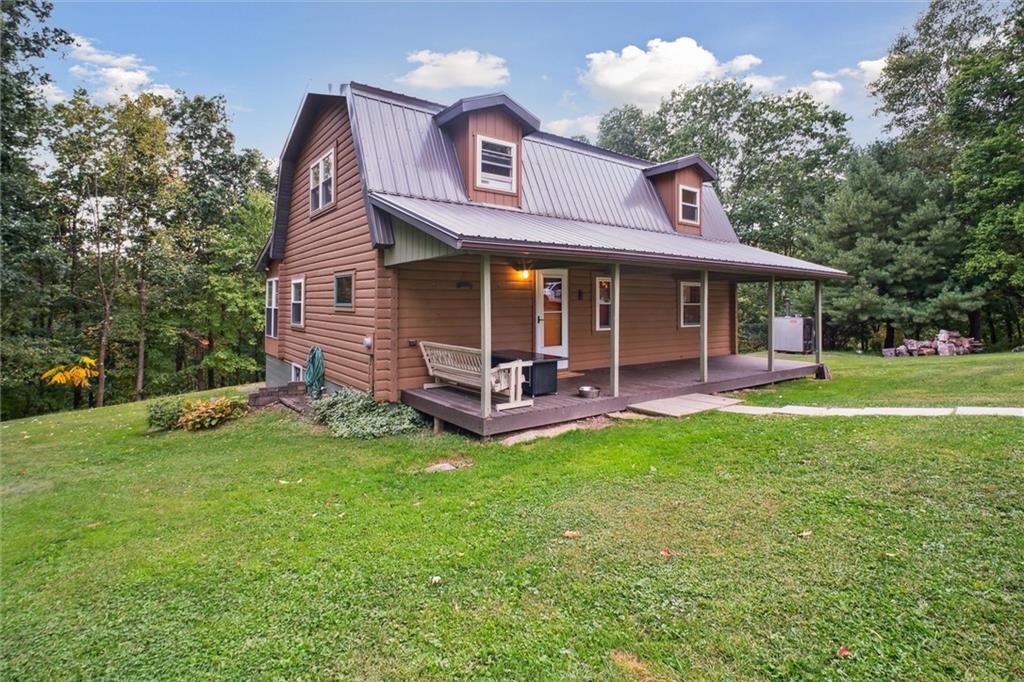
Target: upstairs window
[321,182]
[603,304]
[495,164]
[689,304]
[270,326]
[689,205]
[298,300]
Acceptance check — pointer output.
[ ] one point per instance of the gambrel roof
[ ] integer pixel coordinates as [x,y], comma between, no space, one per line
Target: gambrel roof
[576,199]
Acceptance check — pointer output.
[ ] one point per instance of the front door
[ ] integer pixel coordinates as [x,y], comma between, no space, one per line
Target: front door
[552,309]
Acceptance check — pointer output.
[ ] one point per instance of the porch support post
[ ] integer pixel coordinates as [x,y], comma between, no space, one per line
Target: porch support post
[485,336]
[704,326]
[616,278]
[771,323]
[818,330]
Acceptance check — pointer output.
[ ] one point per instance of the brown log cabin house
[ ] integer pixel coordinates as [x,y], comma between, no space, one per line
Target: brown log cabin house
[400,221]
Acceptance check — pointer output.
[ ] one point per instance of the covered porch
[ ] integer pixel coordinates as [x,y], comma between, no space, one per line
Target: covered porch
[636,383]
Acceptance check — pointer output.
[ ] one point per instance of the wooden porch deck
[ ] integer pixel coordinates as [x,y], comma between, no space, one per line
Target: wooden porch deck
[636,383]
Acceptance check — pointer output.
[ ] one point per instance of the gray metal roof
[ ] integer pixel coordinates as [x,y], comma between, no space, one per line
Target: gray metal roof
[577,199]
[485,228]
[404,152]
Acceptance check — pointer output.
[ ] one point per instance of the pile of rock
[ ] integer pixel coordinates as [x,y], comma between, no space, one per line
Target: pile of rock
[944,343]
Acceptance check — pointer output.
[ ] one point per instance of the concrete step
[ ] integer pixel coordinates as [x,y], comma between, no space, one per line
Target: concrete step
[680,406]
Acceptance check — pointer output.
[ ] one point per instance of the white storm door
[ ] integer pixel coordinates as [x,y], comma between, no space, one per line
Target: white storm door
[552,309]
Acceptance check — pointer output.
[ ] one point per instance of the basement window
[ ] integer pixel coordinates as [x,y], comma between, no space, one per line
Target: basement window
[270,326]
[495,164]
[689,205]
[321,182]
[298,373]
[689,304]
[298,301]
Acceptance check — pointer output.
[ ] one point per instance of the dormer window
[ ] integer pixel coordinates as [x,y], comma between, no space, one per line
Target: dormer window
[495,164]
[689,205]
[321,182]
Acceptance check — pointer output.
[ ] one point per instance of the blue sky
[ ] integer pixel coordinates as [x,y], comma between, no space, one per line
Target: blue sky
[565,62]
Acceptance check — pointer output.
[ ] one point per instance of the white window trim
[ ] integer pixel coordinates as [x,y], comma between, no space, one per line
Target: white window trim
[302,372]
[302,301]
[319,162]
[696,206]
[683,304]
[334,292]
[270,302]
[480,139]
[598,304]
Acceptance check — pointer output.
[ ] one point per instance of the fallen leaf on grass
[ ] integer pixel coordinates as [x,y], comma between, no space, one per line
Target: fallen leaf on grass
[666,552]
[571,534]
[843,652]
[805,533]
[633,666]
[435,580]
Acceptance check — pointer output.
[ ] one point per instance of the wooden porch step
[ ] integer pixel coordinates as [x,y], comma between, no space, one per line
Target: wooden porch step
[682,405]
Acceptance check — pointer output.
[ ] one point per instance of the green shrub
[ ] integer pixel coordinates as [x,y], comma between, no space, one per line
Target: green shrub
[165,413]
[353,414]
[207,414]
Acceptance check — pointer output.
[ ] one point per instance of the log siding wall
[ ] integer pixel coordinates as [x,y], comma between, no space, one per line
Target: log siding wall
[490,123]
[667,187]
[439,300]
[334,240]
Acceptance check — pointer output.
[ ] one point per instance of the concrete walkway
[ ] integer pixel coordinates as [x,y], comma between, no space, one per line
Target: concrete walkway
[809,411]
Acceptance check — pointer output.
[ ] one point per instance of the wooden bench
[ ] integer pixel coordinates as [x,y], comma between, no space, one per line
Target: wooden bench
[460,366]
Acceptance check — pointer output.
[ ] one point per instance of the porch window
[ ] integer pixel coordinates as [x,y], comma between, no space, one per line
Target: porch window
[689,304]
[298,301]
[321,182]
[603,304]
[689,204]
[495,164]
[344,292]
[270,325]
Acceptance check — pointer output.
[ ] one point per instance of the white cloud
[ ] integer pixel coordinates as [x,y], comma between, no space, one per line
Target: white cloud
[871,69]
[762,83]
[822,90]
[644,76]
[460,69]
[113,75]
[52,93]
[581,125]
[744,62]
[84,51]
[867,70]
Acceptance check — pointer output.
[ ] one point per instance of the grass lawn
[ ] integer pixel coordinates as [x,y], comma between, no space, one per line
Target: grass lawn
[269,549]
[870,381]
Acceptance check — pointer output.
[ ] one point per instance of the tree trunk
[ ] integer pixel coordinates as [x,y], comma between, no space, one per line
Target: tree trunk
[140,359]
[209,370]
[101,360]
[991,325]
[1009,316]
[974,324]
[890,336]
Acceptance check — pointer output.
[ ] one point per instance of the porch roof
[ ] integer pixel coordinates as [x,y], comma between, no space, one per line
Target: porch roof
[473,227]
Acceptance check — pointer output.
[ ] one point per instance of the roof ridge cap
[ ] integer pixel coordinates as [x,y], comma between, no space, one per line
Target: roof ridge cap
[551,139]
[398,98]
